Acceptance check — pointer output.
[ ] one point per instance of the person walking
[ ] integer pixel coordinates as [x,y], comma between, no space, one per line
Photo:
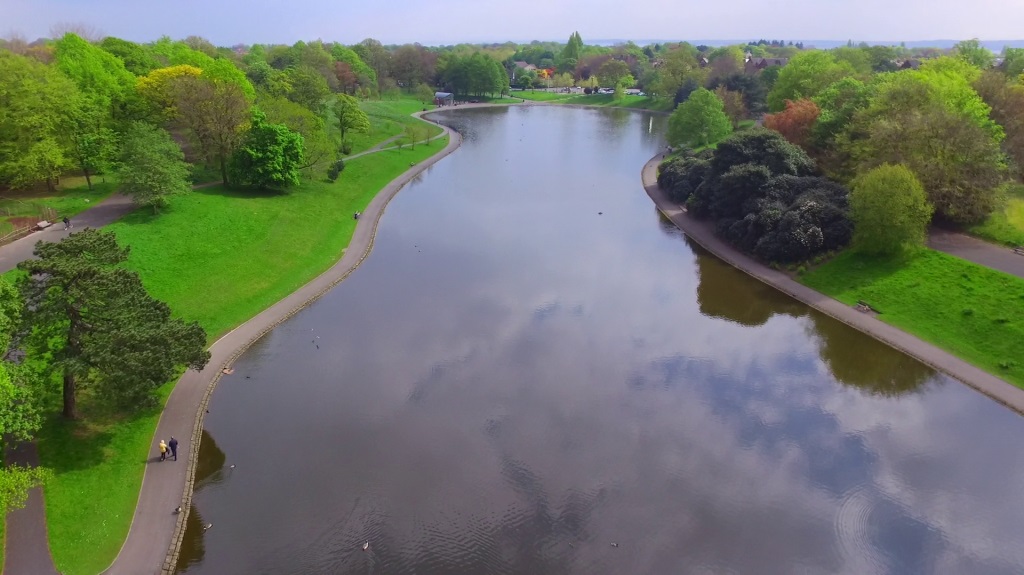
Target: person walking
[163,450]
[67,223]
[173,444]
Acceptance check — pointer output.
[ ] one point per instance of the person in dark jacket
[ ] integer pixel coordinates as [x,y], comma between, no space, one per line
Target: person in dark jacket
[173,444]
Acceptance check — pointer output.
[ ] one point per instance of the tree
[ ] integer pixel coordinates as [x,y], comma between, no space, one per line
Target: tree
[270,156]
[157,89]
[614,72]
[573,47]
[425,94]
[98,323]
[342,53]
[308,88]
[36,103]
[376,56]
[1007,102]
[699,121]
[348,81]
[99,75]
[805,76]
[19,393]
[350,117]
[972,52]
[1013,62]
[136,59]
[215,112]
[751,87]
[889,209]
[920,121]
[151,167]
[796,122]
[320,139]
[732,103]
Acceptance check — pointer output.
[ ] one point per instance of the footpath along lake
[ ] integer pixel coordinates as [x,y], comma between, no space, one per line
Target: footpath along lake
[534,373]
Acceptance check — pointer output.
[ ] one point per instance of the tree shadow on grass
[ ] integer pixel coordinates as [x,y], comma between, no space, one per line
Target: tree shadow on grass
[242,193]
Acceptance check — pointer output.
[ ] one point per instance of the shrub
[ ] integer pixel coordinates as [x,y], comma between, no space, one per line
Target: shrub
[346,148]
[335,170]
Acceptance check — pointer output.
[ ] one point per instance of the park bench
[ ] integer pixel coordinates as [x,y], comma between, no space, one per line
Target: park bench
[864,307]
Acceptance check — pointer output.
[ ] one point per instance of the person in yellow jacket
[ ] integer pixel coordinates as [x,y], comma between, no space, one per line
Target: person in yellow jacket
[163,450]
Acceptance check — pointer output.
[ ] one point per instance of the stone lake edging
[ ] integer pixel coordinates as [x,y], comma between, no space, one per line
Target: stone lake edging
[154,541]
[703,233]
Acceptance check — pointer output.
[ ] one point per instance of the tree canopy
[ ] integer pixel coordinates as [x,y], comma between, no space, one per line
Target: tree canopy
[806,76]
[96,321]
[889,209]
[699,121]
[270,156]
[151,167]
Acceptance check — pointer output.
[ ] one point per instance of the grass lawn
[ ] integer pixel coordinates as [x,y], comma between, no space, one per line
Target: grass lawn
[973,312]
[388,118]
[70,198]
[219,257]
[1006,224]
[541,96]
[635,102]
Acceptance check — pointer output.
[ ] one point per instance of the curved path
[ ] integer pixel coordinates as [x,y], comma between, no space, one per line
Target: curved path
[703,233]
[978,251]
[169,485]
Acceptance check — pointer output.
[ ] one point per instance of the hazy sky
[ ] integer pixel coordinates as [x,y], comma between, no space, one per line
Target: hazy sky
[226,22]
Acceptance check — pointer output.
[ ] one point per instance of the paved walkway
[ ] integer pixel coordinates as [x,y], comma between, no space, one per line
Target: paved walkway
[977,251]
[167,485]
[702,232]
[27,546]
[106,212]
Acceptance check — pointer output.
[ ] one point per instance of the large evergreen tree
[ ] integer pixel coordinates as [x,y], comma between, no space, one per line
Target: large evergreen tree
[95,320]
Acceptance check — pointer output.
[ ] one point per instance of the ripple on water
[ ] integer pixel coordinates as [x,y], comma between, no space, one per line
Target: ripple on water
[853,531]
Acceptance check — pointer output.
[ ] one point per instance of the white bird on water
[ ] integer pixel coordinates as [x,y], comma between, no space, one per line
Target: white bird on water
[207,526]
[366,546]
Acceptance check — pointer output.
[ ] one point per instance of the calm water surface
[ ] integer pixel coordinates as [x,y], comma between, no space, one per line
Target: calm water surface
[532,366]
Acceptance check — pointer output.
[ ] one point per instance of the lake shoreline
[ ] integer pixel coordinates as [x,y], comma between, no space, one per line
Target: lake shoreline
[702,233]
[153,543]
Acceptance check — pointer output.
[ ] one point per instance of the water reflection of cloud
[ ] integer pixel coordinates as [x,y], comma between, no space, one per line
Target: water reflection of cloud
[589,396]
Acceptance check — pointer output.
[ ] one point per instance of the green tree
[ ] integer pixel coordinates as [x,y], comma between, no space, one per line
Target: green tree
[270,156]
[99,75]
[805,76]
[889,209]
[350,117]
[217,69]
[320,140]
[911,122]
[425,94]
[573,47]
[91,144]
[35,114]
[342,53]
[308,88]
[98,324]
[19,391]
[135,57]
[151,167]
[1013,62]
[215,112]
[972,52]
[613,73]
[699,121]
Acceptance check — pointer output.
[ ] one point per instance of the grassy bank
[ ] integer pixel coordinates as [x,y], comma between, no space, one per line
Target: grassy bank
[973,312]
[1006,224]
[602,100]
[388,119]
[219,257]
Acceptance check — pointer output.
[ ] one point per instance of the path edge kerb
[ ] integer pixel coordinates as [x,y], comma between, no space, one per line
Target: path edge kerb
[997,389]
[336,274]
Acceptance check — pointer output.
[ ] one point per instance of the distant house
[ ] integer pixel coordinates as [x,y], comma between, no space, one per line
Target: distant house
[911,64]
[444,99]
[756,65]
[524,65]
[703,61]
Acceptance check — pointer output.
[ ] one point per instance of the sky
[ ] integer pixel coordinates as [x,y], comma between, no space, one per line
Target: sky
[434,22]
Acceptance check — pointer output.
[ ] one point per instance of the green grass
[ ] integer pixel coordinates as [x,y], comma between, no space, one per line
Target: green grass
[542,96]
[388,118]
[608,100]
[973,312]
[219,257]
[97,465]
[1006,224]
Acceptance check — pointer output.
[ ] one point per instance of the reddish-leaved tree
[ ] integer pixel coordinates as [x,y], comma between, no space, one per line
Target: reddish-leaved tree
[795,122]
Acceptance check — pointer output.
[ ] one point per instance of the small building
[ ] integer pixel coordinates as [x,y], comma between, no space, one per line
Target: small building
[444,99]
[756,65]
[524,65]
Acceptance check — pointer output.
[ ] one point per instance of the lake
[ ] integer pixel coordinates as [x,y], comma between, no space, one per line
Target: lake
[534,372]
